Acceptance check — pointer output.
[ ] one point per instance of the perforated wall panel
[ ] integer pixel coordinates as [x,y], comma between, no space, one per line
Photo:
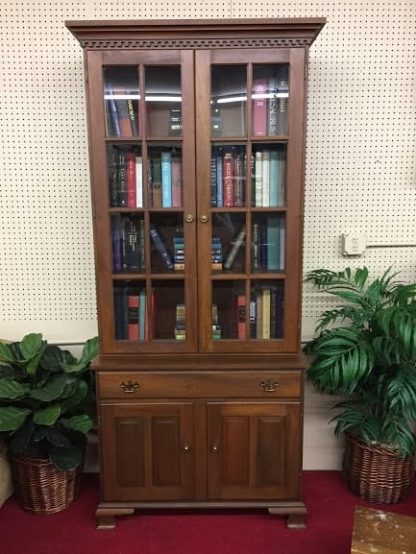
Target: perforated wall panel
[360,168]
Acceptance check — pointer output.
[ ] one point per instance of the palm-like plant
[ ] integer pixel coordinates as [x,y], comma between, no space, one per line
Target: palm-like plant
[365,350]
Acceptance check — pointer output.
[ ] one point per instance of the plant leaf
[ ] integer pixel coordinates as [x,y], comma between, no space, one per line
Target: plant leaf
[53,388]
[21,438]
[47,416]
[65,458]
[30,345]
[6,355]
[12,418]
[57,438]
[81,423]
[12,390]
[89,352]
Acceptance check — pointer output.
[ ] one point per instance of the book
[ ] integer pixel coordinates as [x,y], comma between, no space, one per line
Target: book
[122,181]
[283,89]
[131,179]
[265,312]
[116,239]
[272,109]
[259,107]
[252,318]
[123,113]
[176,182]
[113,177]
[132,109]
[130,243]
[139,181]
[175,121]
[273,227]
[258,179]
[161,248]
[219,181]
[216,328]
[178,253]
[213,181]
[180,322]
[255,238]
[239,179]
[265,202]
[142,245]
[113,125]
[216,260]
[259,314]
[228,180]
[133,316]
[241,316]
[282,245]
[120,313]
[235,249]
[156,181]
[274,179]
[166,169]
[142,315]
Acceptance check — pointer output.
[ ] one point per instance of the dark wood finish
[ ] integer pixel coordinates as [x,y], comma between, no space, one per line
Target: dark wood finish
[199,423]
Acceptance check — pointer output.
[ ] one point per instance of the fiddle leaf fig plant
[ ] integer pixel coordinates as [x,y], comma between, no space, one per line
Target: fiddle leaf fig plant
[46,400]
[365,350]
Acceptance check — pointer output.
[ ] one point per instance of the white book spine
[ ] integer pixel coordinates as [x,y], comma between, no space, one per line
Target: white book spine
[139,182]
[266,181]
[258,178]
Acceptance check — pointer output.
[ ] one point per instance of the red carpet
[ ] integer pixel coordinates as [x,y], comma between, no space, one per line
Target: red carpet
[330,506]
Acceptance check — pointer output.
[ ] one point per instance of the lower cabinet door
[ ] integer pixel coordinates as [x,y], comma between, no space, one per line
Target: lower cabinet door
[254,450]
[147,451]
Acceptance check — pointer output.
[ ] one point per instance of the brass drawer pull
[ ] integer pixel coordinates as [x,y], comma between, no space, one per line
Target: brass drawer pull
[129,387]
[269,386]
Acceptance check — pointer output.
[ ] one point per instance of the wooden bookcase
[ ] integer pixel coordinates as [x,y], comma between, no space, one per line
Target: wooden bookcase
[196,134]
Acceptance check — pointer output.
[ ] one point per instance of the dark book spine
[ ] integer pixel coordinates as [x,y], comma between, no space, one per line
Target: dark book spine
[256,247]
[263,246]
[131,244]
[239,180]
[214,181]
[161,248]
[113,123]
[131,105]
[113,179]
[116,238]
[228,180]
[122,181]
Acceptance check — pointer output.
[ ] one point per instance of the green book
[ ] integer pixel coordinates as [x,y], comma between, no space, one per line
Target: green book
[273,243]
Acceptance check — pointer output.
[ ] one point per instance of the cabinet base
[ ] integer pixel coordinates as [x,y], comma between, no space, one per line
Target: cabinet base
[107,511]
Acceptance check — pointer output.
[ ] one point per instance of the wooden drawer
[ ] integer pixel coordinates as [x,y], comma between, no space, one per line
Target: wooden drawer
[205,384]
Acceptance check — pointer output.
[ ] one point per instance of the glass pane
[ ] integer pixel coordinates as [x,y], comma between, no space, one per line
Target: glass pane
[125,176]
[164,169]
[269,175]
[266,310]
[228,176]
[130,313]
[167,242]
[163,101]
[270,99]
[128,238]
[228,242]
[168,310]
[228,310]
[268,242]
[228,100]
[121,95]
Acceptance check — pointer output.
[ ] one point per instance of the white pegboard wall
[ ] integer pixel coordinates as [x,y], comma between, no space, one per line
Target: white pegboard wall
[360,157]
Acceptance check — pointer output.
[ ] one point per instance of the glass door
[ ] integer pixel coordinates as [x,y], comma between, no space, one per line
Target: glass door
[249,172]
[144,197]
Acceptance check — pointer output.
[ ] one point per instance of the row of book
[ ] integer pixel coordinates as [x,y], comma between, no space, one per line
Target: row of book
[268,244]
[228,177]
[122,111]
[270,102]
[128,239]
[130,313]
[165,180]
[269,177]
[126,178]
[265,314]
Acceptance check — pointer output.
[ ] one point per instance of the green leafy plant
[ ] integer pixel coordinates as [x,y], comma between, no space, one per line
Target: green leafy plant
[46,400]
[365,350]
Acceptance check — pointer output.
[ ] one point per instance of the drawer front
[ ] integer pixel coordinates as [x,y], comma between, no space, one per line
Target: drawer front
[205,384]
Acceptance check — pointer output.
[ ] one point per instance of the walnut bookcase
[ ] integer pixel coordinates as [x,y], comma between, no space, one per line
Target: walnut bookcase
[196,134]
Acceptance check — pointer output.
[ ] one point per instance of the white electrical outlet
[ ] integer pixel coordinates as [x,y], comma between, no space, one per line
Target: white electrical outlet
[353,244]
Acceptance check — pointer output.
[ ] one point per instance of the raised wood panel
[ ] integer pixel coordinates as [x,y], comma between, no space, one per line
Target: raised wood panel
[130,449]
[143,452]
[254,450]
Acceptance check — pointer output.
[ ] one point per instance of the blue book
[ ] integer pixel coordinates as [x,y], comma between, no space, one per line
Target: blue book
[161,248]
[116,236]
[166,162]
[142,314]
[273,243]
[219,182]
[274,185]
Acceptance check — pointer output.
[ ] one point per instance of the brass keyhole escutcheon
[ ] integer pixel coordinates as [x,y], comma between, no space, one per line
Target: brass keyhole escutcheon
[203,218]
[189,218]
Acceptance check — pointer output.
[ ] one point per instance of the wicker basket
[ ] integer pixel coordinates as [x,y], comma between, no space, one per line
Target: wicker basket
[41,488]
[376,474]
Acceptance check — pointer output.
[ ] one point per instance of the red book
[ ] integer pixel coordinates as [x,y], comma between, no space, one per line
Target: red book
[228,180]
[133,316]
[131,179]
[259,107]
[176,182]
[241,316]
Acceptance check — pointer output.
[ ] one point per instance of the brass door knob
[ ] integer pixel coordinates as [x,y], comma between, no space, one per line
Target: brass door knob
[189,218]
[187,448]
[203,218]
[214,448]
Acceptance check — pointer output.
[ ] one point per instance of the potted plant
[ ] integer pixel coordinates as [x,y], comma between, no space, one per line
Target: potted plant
[46,409]
[365,350]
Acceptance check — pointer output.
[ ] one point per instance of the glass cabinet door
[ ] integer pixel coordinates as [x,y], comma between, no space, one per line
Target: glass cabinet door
[249,194]
[145,202]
